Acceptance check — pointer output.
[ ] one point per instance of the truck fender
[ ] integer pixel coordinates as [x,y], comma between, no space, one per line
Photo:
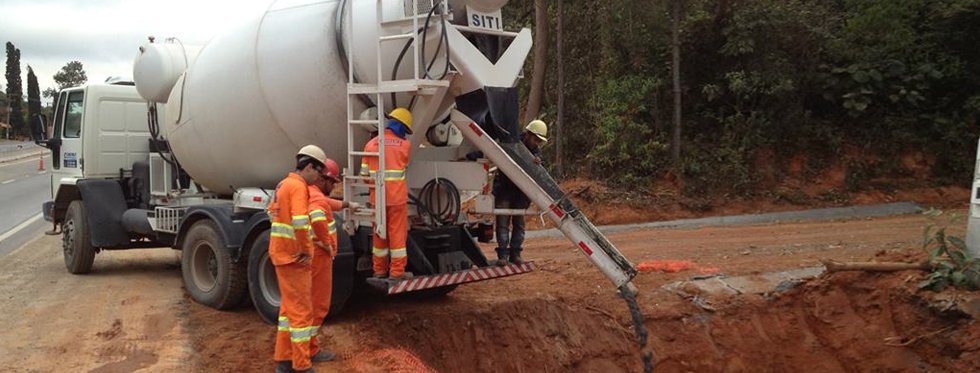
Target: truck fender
[63,197]
[230,225]
[255,226]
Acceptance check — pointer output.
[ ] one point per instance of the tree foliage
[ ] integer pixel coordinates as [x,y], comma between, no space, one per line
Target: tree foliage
[33,94]
[15,89]
[70,75]
[775,76]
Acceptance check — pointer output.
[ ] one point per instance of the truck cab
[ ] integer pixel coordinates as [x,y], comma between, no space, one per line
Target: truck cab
[98,131]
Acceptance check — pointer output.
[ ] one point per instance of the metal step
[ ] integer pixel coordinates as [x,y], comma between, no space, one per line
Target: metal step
[392,287]
[394,86]
[408,20]
[397,37]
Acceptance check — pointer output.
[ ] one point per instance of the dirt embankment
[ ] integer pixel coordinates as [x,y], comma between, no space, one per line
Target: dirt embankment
[664,201]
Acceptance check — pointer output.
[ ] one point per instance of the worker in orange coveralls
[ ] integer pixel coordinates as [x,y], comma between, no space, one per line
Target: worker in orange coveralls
[291,251]
[397,148]
[324,236]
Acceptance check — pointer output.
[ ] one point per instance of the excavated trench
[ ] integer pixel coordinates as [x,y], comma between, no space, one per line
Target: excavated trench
[843,322]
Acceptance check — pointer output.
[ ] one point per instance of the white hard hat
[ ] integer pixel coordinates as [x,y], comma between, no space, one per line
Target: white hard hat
[314,152]
[539,128]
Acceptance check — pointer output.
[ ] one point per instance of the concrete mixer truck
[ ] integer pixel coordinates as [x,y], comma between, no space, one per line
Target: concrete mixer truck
[187,155]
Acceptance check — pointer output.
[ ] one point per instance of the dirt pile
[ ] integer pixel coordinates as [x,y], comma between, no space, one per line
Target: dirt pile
[836,323]
[522,335]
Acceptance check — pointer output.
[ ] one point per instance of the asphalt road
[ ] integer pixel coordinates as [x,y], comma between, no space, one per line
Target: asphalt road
[22,190]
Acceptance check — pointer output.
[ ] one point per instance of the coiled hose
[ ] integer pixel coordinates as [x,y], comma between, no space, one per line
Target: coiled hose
[438,202]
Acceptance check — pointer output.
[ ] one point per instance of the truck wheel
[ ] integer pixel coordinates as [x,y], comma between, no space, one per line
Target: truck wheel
[263,285]
[77,240]
[210,275]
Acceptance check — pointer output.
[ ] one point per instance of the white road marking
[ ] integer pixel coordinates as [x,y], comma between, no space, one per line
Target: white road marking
[8,181]
[20,227]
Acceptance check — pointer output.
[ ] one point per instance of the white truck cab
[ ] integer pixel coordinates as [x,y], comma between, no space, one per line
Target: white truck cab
[98,131]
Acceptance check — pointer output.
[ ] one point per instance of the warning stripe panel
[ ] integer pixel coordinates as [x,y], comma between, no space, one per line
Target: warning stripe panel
[461,277]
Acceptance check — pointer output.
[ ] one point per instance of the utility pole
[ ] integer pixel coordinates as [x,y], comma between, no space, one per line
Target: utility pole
[559,133]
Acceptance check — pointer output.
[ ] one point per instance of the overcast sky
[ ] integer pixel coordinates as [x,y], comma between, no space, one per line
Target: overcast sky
[105,34]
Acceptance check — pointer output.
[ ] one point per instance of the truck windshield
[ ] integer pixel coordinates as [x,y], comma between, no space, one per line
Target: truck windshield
[73,115]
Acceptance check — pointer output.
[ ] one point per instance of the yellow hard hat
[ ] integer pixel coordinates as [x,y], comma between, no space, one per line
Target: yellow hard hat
[538,128]
[314,152]
[402,115]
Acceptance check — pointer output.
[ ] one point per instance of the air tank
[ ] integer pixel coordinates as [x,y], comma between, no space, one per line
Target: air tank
[261,90]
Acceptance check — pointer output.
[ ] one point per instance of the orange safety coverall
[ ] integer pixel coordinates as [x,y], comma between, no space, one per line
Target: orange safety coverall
[325,232]
[396,203]
[290,236]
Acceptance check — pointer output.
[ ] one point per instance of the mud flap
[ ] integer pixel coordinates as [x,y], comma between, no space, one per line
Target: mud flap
[105,205]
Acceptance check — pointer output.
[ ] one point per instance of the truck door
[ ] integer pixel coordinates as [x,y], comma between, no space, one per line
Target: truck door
[71,134]
[66,141]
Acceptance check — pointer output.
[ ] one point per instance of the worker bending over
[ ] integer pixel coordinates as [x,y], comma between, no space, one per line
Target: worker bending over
[291,252]
[397,147]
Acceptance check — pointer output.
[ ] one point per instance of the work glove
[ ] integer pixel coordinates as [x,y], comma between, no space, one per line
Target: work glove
[354,206]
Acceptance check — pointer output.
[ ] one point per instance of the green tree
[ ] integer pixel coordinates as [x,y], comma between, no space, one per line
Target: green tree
[33,94]
[70,75]
[15,89]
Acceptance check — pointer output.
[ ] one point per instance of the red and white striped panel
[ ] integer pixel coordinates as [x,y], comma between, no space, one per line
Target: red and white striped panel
[461,277]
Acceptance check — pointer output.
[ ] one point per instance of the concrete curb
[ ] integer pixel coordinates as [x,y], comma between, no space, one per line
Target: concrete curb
[23,156]
[852,212]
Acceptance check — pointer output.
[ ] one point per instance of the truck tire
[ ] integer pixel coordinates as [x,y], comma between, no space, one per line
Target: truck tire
[210,274]
[263,286]
[77,240]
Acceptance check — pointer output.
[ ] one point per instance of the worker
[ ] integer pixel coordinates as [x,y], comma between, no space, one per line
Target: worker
[397,147]
[325,239]
[291,252]
[508,196]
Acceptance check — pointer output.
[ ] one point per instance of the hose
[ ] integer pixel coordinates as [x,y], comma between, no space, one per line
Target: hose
[425,32]
[438,209]
[153,122]
[342,50]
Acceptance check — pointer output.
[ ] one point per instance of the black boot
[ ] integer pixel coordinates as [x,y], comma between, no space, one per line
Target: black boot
[501,257]
[322,356]
[284,367]
[515,256]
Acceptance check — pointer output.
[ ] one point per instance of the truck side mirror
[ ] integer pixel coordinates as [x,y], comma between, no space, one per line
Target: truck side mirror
[39,129]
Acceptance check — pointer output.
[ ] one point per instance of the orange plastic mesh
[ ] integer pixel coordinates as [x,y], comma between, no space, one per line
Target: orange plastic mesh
[671,266]
[394,360]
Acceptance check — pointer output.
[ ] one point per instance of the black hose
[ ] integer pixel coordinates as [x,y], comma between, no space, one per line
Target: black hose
[153,122]
[342,51]
[434,211]
[424,30]
[445,39]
